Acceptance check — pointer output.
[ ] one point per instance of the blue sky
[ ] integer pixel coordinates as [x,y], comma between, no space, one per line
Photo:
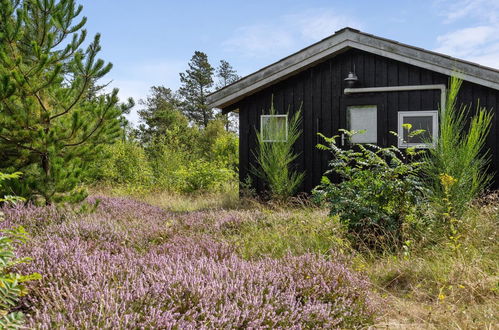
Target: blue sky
[151,41]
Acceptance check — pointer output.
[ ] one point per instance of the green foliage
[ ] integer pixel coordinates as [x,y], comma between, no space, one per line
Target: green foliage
[460,153]
[275,159]
[219,145]
[9,198]
[187,160]
[226,75]
[196,83]
[51,120]
[202,175]
[377,192]
[181,160]
[124,162]
[160,115]
[12,286]
[454,223]
[460,289]
[281,232]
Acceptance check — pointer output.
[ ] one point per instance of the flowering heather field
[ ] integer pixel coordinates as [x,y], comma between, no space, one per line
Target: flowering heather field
[128,264]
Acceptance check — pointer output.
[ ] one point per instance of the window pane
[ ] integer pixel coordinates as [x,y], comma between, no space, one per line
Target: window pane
[274,128]
[363,118]
[420,122]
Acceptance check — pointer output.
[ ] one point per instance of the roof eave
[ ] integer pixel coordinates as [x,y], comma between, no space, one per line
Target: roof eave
[346,39]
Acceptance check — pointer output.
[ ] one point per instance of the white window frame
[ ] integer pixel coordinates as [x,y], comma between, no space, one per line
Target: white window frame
[417,113]
[273,116]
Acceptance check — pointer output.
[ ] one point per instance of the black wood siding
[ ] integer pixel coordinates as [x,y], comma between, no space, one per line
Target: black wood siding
[319,92]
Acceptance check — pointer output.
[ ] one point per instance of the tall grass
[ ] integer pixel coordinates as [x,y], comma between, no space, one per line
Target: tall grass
[459,152]
[275,159]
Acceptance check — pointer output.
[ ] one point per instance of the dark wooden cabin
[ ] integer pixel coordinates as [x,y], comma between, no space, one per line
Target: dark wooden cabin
[396,84]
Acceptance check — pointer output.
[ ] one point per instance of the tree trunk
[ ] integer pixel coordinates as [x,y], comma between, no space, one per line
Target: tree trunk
[46,169]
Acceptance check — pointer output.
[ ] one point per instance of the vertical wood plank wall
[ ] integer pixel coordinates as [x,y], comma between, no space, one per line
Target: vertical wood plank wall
[319,92]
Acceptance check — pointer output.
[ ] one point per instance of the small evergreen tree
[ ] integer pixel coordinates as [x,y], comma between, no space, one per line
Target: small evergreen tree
[226,75]
[196,83]
[275,155]
[51,120]
[160,114]
[460,153]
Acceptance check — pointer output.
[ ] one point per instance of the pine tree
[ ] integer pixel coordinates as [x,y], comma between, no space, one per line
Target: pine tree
[226,75]
[51,121]
[160,113]
[196,83]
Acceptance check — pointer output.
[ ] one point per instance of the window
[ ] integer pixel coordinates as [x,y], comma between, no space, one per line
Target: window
[274,128]
[419,120]
[365,119]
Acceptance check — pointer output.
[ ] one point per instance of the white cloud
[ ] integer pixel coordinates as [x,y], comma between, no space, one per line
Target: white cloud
[259,40]
[286,33]
[477,39]
[467,41]
[454,10]
[317,24]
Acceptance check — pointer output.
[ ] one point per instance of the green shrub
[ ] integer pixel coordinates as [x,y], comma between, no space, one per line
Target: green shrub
[377,192]
[181,159]
[208,162]
[8,198]
[12,286]
[224,149]
[124,162]
[275,159]
[165,160]
[460,153]
[203,175]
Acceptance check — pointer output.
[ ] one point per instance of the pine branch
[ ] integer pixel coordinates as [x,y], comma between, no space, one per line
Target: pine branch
[20,145]
[99,123]
[75,101]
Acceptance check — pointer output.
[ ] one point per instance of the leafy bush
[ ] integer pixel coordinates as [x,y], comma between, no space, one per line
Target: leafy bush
[202,175]
[220,145]
[8,198]
[12,286]
[460,153]
[124,162]
[11,283]
[275,159]
[166,159]
[377,192]
[181,160]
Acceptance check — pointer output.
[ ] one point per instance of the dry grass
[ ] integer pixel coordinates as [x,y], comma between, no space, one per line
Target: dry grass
[408,314]
[177,202]
[438,287]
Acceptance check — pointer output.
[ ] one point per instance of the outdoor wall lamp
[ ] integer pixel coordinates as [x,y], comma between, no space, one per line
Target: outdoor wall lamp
[351,80]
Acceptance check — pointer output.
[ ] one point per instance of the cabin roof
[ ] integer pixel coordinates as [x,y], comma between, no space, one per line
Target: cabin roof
[341,41]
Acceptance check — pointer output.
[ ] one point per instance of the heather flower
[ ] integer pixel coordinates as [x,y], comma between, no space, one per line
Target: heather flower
[132,265]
